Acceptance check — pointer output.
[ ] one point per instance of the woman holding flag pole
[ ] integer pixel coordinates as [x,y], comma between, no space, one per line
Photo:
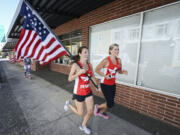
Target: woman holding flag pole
[81,71]
[82,94]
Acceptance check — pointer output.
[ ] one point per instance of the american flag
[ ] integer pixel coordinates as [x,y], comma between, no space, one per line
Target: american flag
[36,41]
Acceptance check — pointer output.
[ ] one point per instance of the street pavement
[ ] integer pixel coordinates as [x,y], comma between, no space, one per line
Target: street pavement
[35,107]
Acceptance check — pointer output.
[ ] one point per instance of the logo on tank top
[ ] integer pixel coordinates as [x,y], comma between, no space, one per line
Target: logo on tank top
[112,72]
[84,86]
[85,79]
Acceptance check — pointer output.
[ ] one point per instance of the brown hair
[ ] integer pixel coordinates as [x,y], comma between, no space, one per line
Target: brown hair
[77,57]
[112,46]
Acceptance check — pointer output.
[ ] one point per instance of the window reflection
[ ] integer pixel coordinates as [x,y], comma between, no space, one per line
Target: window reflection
[72,42]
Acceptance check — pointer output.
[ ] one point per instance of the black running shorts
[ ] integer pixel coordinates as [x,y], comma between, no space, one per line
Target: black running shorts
[81,98]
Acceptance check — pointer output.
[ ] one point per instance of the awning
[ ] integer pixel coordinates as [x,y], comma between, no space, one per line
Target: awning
[55,12]
[10,44]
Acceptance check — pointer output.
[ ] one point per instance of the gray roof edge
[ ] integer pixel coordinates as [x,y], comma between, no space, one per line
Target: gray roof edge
[14,17]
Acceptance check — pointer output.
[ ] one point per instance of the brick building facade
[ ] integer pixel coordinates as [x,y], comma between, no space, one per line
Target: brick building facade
[164,107]
[159,106]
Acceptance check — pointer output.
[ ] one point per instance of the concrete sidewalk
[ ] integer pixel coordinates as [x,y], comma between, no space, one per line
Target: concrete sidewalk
[41,102]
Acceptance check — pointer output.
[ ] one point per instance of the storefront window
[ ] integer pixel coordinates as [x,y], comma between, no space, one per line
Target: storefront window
[157,66]
[72,42]
[124,32]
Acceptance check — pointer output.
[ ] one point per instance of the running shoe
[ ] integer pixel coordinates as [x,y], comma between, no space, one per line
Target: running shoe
[85,129]
[104,115]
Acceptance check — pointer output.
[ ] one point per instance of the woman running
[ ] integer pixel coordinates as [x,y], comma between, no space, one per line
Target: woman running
[110,65]
[82,94]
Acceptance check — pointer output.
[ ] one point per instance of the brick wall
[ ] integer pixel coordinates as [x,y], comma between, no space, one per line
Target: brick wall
[60,68]
[159,106]
[34,65]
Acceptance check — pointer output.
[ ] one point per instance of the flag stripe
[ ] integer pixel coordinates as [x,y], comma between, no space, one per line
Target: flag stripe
[54,54]
[51,52]
[50,43]
[35,47]
[30,44]
[46,47]
[23,43]
[36,52]
[54,58]
[40,52]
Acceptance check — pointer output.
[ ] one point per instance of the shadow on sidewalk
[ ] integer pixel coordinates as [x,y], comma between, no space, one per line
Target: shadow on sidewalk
[149,124]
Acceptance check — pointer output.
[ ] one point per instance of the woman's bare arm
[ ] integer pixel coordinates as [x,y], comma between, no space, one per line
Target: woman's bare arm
[75,72]
[101,65]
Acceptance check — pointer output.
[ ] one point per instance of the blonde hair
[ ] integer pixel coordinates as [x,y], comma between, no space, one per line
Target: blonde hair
[112,46]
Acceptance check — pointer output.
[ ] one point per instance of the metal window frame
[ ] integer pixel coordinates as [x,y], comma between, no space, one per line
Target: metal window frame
[70,40]
[139,48]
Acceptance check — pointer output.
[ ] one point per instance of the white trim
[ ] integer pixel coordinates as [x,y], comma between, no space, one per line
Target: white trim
[149,89]
[139,48]
[89,43]
[76,85]
[145,88]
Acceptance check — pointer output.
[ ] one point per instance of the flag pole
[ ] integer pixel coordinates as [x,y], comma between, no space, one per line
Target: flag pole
[71,56]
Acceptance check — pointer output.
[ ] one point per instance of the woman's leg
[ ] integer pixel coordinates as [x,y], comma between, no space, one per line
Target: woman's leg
[79,109]
[89,105]
[102,107]
[109,94]
[29,69]
[25,68]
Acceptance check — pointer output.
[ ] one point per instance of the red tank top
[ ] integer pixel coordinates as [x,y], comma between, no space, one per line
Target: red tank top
[82,82]
[111,70]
